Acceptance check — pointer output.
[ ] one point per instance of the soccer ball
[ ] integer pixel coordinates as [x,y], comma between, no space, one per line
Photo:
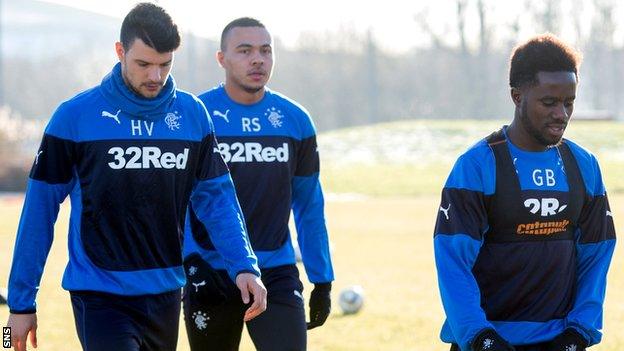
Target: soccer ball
[351,299]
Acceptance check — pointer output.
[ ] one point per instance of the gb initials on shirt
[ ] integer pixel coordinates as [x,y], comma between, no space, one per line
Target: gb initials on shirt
[544,176]
[137,128]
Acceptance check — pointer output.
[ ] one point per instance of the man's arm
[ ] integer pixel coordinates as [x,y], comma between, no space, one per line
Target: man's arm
[51,179]
[312,237]
[595,243]
[314,244]
[215,204]
[308,210]
[458,236]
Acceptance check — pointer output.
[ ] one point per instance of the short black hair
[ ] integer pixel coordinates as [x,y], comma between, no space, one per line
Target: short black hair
[543,53]
[153,25]
[239,22]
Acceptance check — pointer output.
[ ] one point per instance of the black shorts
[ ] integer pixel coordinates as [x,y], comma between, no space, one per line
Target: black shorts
[214,317]
[126,323]
[534,347]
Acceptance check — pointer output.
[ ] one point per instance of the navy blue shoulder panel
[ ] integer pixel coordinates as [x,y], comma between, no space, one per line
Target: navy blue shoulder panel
[461,211]
[54,160]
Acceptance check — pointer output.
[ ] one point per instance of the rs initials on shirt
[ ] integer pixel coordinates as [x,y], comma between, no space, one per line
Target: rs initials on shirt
[250,124]
[544,176]
[137,127]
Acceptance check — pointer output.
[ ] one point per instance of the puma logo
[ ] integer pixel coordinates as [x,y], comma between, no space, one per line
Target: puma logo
[202,283]
[445,211]
[37,157]
[113,116]
[222,115]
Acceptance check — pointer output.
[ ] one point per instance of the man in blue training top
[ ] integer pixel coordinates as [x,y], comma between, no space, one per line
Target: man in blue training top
[524,234]
[269,143]
[133,154]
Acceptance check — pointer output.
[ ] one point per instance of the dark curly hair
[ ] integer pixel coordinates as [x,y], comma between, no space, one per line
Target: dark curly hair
[543,53]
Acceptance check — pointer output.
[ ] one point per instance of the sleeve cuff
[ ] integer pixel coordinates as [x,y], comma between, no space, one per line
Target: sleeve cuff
[30,311]
[247,271]
[323,287]
[581,332]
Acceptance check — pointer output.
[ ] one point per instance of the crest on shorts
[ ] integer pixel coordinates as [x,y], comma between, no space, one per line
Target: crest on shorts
[200,319]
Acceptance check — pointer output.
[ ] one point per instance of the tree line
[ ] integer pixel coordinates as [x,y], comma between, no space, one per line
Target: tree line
[344,79]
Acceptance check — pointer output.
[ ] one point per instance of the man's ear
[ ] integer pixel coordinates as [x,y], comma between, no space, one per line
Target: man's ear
[516,96]
[119,50]
[219,55]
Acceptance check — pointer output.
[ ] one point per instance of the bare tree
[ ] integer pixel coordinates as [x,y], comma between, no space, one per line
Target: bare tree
[461,25]
[546,14]
[423,20]
[601,57]
[484,30]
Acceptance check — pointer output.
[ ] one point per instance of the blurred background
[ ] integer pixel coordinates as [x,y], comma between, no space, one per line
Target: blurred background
[397,89]
[350,64]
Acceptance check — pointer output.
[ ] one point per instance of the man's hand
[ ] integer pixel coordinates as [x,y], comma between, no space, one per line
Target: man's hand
[249,283]
[320,304]
[21,326]
[570,339]
[489,340]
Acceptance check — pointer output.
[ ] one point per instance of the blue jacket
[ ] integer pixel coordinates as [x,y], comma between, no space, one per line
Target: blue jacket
[532,285]
[131,166]
[270,148]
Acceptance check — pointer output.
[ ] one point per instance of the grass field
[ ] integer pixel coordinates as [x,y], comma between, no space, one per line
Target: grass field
[413,158]
[382,240]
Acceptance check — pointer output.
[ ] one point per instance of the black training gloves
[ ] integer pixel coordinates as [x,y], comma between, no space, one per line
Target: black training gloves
[320,304]
[203,281]
[489,340]
[570,339]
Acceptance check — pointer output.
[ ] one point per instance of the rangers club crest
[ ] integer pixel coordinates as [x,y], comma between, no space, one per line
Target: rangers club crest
[172,120]
[275,117]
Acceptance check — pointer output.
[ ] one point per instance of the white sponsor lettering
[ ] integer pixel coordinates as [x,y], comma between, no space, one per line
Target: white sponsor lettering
[253,152]
[146,157]
[549,206]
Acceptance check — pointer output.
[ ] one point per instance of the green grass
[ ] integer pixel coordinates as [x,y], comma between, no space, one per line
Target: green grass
[414,157]
[382,241]
[383,244]
[384,180]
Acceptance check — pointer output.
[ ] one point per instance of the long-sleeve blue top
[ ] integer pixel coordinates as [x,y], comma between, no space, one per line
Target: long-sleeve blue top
[539,286]
[271,151]
[131,167]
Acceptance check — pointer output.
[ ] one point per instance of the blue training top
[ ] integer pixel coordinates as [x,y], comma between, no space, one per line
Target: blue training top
[534,282]
[131,167]
[270,147]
